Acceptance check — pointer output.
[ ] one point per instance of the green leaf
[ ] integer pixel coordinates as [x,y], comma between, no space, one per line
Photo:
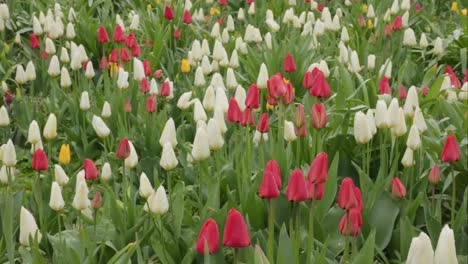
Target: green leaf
[285,253]
[382,219]
[324,205]
[366,254]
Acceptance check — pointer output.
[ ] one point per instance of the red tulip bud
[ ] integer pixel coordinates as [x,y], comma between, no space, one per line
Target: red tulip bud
[252,99]
[354,219]
[318,115]
[299,116]
[128,106]
[96,202]
[297,187]
[91,172]
[434,175]
[397,23]
[123,150]
[346,197]
[268,188]
[187,17]
[103,37]
[114,56]
[39,161]
[263,125]
[450,152]
[104,64]
[136,50]
[235,230]
[318,84]
[289,64]
[398,189]
[247,118]
[209,236]
[130,41]
[234,113]
[168,13]
[453,78]
[273,167]
[384,86]
[119,35]
[402,92]
[147,67]
[33,41]
[151,104]
[318,171]
[424,91]
[124,55]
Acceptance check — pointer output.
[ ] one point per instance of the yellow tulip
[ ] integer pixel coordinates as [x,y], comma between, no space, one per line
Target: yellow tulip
[64,154]
[464,11]
[370,24]
[269,106]
[364,8]
[454,6]
[185,66]
[113,69]
[214,11]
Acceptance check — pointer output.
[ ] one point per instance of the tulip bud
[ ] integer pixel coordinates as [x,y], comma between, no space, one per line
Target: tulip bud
[289,65]
[84,101]
[319,116]
[234,113]
[90,170]
[262,77]
[168,134]
[123,150]
[28,228]
[398,189]
[407,159]
[268,187]
[39,161]
[168,158]
[106,172]
[297,188]
[362,130]
[409,39]
[446,251]
[60,176]
[318,171]
[208,238]
[414,140]
[434,175]
[6,173]
[354,219]
[158,203]
[198,111]
[200,150]
[89,73]
[235,230]
[30,72]
[420,250]
[34,134]
[96,202]
[400,129]
[438,46]
[289,133]
[56,200]
[64,154]
[4,118]
[411,102]
[64,57]
[81,201]
[450,152]
[138,70]
[371,61]
[423,43]
[122,79]
[346,196]
[132,160]
[50,128]
[215,136]
[146,189]
[103,37]
[100,127]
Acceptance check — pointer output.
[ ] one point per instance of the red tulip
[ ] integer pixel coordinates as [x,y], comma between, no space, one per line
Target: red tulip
[318,171]
[104,64]
[318,115]
[289,96]
[177,33]
[187,17]
[453,78]
[8,97]
[424,91]
[318,84]
[263,125]
[222,2]
[158,74]
[127,106]
[346,197]
[209,236]
[144,85]
[268,188]
[307,80]
[388,30]
[289,65]
[114,56]
[44,55]
[147,67]
[397,23]
[252,100]
[384,86]
[299,116]
[39,161]
[301,131]
[235,231]
[273,167]
[417,7]
[123,150]
[136,50]
[320,7]
[276,86]
[97,201]
[165,89]
[119,35]
[247,118]
[124,55]
[297,187]
[402,92]
[91,172]
[434,175]
[398,189]
[249,2]
[130,41]
[362,21]
[450,152]
[234,113]
[103,37]
[168,13]
[355,223]
[150,105]
[33,41]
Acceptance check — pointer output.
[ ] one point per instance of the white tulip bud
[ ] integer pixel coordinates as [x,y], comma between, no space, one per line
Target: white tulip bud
[106,172]
[240,96]
[37,28]
[420,250]
[209,99]
[230,24]
[64,57]
[122,79]
[50,128]
[219,117]
[215,137]
[20,76]
[4,117]
[395,7]
[138,70]
[84,101]
[392,116]
[81,201]
[199,77]
[411,101]
[184,101]
[169,133]
[344,35]
[168,158]
[30,71]
[234,61]
[198,111]
[371,121]
[200,150]
[445,252]
[132,160]
[438,46]
[100,127]
[231,81]
[423,43]
[56,200]
[262,77]
[106,110]
[154,87]
[4,12]
[414,140]
[65,80]
[400,129]
[146,189]
[419,120]
[381,114]
[409,39]
[362,131]
[28,228]
[9,154]
[34,134]
[135,22]
[54,67]
[205,48]
[49,46]
[240,14]
[289,133]
[221,99]
[407,159]
[89,73]
[60,175]
[158,203]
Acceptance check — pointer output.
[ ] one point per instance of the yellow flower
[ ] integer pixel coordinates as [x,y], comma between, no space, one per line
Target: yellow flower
[370,24]
[464,11]
[269,106]
[113,68]
[454,6]
[64,155]
[214,11]
[185,66]
[364,8]
[149,6]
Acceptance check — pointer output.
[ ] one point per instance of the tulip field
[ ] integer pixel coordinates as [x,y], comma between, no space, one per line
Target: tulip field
[234,131]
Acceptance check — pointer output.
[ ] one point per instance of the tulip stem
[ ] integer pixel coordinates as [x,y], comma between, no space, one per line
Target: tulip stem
[38,196]
[297,231]
[310,247]
[454,189]
[271,232]
[124,188]
[8,223]
[234,256]
[346,249]
[433,199]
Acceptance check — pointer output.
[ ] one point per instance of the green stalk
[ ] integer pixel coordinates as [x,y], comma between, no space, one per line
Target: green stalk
[454,189]
[298,235]
[271,232]
[234,256]
[8,222]
[346,249]
[433,198]
[38,197]
[310,244]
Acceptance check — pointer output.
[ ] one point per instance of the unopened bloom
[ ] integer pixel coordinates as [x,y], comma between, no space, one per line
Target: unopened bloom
[145,190]
[318,171]
[84,101]
[434,175]
[407,160]
[39,162]
[420,250]
[60,176]
[56,200]
[446,251]
[362,131]
[100,127]
[28,228]
[235,230]
[200,150]
[50,128]
[168,158]
[398,189]
[450,151]
[158,203]
[106,172]
[34,134]
[4,117]
[169,133]
[132,160]
[90,170]
[80,200]
[64,154]
[208,237]
[297,187]
[354,219]
[289,133]
[414,140]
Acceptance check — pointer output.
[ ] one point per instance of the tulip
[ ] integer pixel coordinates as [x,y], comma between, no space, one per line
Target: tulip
[208,238]
[96,202]
[409,39]
[30,73]
[241,98]
[346,196]
[151,104]
[273,167]
[132,160]
[33,41]
[438,46]
[400,128]
[354,219]
[262,77]
[252,100]
[234,113]
[318,171]
[450,152]
[423,43]
[146,189]
[184,100]
[384,86]
[166,90]
[402,93]
[34,134]
[407,160]
[6,173]
[28,228]
[123,150]
[297,187]
[445,252]
[247,118]
[106,110]
[318,85]
[289,65]
[119,35]
[138,70]
[106,172]
[198,111]
[103,37]
[64,154]
[299,116]
[411,102]
[168,13]
[60,176]
[398,189]
[434,175]
[392,114]
[268,187]
[81,201]
[126,57]
[453,78]
[200,150]
[397,23]
[276,86]
[100,127]
[414,140]
[362,129]
[50,128]
[235,231]
[39,161]
[315,190]
[91,172]
[169,133]
[4,118]
[420,250]
[215,136]
[158,203]
[371,61]
[289,133]
[84,101]
[56,200]
[263,125]
[318,116]
[231,81]
[168,158]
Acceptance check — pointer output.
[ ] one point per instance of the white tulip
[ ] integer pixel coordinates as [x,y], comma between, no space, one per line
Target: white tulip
[158,203]
[184,101]
[145,189]
[419,120]
[106,171]
[414,140]
[168,158]
[240,96]
[199,77]
[438,46]
[220,120]
[344,35]
[56,200]
[28,228]
[420,251]
[89,73]
[362,130]
[409,38]
[64,57]
[132,160]
[371,121]
[198,111]
[381,114]
[60,175]
[411,101]
[20,76]
[393,118]
[169,133]
[84,101]
[49,46]
[215,137]
[30,71]
[445,252]
[65,80]
[106,110]
[9,154]
[407,160]
[102,130]
[400,129]
[50,128]
[4,174]
[34,134]
[122,79]
[221,99]
[81,201]
[262,77]
[289,133]
[138,70]
[4,117]
[70,31]
[423,43]
[200,150]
